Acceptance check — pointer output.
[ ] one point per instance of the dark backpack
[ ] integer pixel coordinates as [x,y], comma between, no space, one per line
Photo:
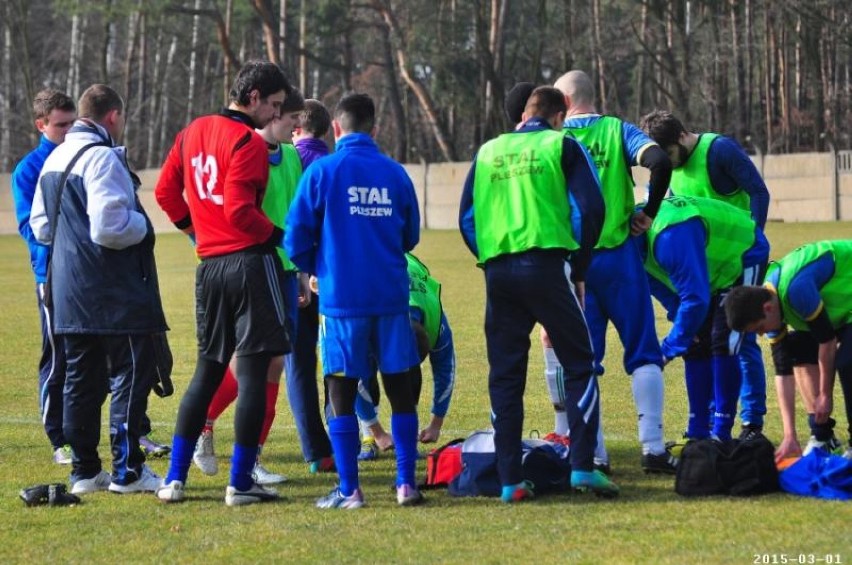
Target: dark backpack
[737,468]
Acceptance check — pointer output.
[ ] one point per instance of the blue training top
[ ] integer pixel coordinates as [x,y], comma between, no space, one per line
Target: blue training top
[803,292]
[731,169]
[24,181]
[354,216]
[680,251]
[442,358]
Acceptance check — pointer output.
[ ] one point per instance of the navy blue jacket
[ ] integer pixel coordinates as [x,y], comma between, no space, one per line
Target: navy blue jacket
[584,193]
[103,275]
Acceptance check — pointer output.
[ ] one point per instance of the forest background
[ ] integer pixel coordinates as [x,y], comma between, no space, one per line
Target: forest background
[774,74]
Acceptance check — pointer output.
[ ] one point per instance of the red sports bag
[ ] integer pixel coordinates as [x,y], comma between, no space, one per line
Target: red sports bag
[443,464]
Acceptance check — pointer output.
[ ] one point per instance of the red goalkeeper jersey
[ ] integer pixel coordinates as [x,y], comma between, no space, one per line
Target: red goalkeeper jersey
[214,178]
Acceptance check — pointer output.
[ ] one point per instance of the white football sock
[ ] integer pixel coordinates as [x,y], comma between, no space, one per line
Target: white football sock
[648,395]
[560,422]
[601,456]
[555,386]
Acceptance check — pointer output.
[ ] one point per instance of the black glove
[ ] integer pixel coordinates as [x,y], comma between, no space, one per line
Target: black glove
[164,362]
[52,495]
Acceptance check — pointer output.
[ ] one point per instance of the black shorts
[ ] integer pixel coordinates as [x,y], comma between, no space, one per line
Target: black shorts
[794,350]
[239,305]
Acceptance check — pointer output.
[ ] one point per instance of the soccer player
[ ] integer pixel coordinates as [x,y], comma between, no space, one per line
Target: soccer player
[516,101]
[810,291]
[714,166]
[285,168]
[104,291]
[531,211]
[54,113]
[696,250]
[435,339]
[354,217]
[314,124]
[224,165]
[616,282]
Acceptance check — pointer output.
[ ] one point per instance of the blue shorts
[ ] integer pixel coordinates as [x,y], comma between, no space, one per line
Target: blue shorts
[617,291]
[354,346]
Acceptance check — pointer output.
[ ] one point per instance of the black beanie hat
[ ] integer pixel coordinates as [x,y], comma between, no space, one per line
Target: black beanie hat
[516,100]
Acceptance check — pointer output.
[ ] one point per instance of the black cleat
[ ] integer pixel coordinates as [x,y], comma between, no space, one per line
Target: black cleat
[603,467]
[661,463]
[751,432]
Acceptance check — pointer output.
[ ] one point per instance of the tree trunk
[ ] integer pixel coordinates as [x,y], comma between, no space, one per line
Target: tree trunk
[540,43]
[72,84]
[19,17]
[193,64]
[749,78]
[479,123]
[826,68]
[6,90]
[303,43]
[568,58]
[156,103]
[720,115]
[427,105]
[282,33]
[641,65]
[831,72]
[741,99]
[674,78]
[346,56]
[166,116]
[143,104]
[597,55]
[769,50]
[799,80]
[400,150]
[107,51]
[208,71]
[226,66]
[132,32]
[495,52]
[451,41]
[784,89]
[269,36]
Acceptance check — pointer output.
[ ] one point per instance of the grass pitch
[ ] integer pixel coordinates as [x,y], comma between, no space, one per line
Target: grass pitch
[648,523]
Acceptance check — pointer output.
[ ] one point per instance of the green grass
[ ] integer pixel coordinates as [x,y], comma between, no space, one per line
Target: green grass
[649,523]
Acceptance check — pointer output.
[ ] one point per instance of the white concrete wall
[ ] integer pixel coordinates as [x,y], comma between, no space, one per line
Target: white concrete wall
[801,186]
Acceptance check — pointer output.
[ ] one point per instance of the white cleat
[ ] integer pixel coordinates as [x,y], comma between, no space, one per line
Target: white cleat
[264,476]
[204,456]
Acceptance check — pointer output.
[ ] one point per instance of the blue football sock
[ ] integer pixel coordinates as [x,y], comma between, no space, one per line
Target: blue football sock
[242,464]
[699,390]
[753,390]
[182,449]
[726,385]
[343,433]
[404,431]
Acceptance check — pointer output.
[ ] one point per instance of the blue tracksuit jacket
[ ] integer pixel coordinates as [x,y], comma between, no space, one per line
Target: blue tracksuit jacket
[354,216]
[24,181]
